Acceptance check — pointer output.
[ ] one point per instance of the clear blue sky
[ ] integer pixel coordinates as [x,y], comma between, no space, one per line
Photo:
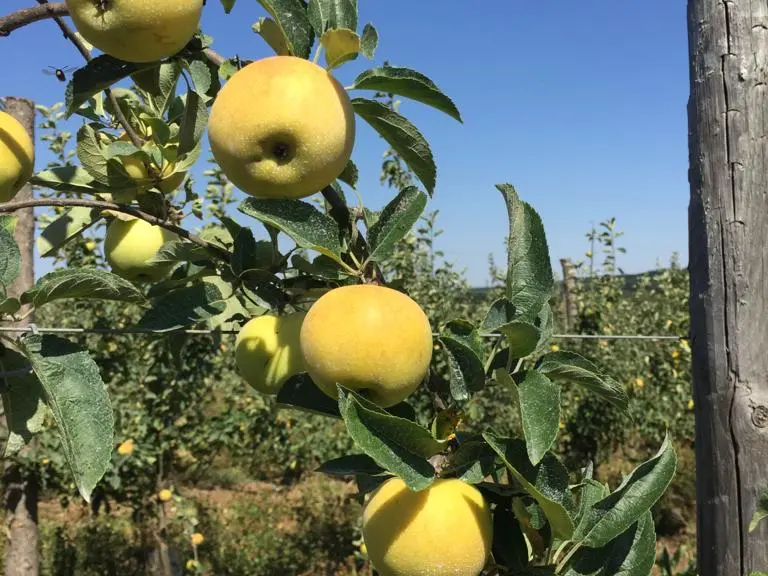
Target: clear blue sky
[580,105]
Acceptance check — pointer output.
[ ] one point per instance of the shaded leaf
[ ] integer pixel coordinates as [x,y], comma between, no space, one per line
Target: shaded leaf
[69,225]
[66,179]
[637,494]
[193,122]
[572,367]
[308,227]
[23,402]
[10,258]
[546,483]
[77,397]
[291,17]
[351,465]
[509,547]
[538,400]
[403,136]
[180,251]
[184,307]
[395,221]
[350,174]
[91,283]
[301,393]
[98,74]
[382,436]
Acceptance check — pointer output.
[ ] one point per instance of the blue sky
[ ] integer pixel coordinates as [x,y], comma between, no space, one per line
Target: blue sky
[580,105]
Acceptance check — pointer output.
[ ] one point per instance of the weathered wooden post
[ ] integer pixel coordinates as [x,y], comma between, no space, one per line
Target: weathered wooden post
[569,293]
[728,242]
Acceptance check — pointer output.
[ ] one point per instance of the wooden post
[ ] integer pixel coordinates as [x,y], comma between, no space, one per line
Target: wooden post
[21,546]
[728,243]
[569,293]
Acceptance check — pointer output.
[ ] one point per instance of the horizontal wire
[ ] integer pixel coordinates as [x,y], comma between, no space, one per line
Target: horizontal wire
[118,331]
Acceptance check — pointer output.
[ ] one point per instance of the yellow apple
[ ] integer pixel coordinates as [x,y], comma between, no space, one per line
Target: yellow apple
[267,351]
[368,338]
[282,127]
[136,30]
[444,530]
[130,244]
[17,156]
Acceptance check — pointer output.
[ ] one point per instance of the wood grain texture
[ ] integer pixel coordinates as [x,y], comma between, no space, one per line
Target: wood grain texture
[728,244]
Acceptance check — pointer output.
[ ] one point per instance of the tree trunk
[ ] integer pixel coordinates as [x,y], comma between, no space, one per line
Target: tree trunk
[21,546]
[728,236]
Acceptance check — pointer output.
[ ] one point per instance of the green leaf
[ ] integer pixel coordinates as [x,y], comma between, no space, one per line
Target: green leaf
[390,441]
[193,122]
[590,493]
[273,35]
[403,136]
[633,553]
[98,74]
[308,227]
[637,494]
[463,349]
[249,254]
[10,258]
[23,402]
[184,307]
[301,393]
[529,270]
[180,251]
[395,221]
[509,547]
[408,83]
[69,225]
[538,399]
[350,174]
[291,17]
[91,283]
[760,513]
[369,41]
[319,13]
[9,306]
[522,336]
[572,367]
[343,14]
[80,405]
[351,465]
[546,483]
[108,172]
[8,223]
[66,179]
[201,77]
[472,462]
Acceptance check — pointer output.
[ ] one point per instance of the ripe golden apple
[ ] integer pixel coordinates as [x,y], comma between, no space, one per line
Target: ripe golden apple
[368,338]
[267,351]
[129,244]
[136,30]
[17,156]
[282,127]
[445,529]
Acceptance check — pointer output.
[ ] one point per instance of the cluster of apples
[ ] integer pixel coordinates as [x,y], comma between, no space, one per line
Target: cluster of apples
[284,128]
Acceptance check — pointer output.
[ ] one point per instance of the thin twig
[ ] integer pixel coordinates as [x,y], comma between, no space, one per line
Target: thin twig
[340,212]
[87,55]
[21,18]
[101,205]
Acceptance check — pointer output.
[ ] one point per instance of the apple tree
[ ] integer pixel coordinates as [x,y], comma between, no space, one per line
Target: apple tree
[303,282]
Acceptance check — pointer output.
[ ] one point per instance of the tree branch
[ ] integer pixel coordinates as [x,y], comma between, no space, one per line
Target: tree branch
[21,18]
[130,210]
[87,55]
[340,213]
